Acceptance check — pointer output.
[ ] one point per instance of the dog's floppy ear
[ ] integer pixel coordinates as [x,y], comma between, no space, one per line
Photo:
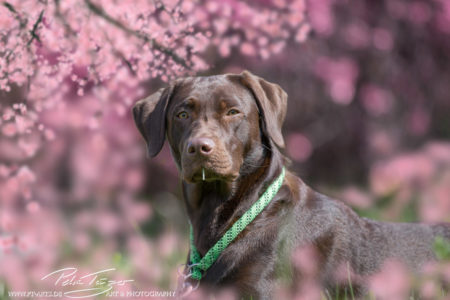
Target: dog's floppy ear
[272,104]
[150,118]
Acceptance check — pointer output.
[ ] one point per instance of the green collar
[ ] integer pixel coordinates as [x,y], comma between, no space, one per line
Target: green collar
[198,265]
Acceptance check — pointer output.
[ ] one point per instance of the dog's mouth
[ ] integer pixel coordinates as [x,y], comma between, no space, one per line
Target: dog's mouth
[208,173]
[217,167]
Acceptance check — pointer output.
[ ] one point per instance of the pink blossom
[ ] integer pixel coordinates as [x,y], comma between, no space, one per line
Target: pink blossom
[321,16]
[247,49]
[419,121]
[392,282]
[305,259]
[382,142]
[376,100]
[382,39]
[356,197]
[435,205]
[419,12]
[299,147]
[167,243]
[403,171]
[357,35]
[9,129]
[340,76]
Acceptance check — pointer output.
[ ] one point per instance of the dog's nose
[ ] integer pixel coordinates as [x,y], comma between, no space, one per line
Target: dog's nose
[203,146]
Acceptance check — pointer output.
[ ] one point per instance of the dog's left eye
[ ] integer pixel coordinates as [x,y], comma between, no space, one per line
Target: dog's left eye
[182,115]
[232,112]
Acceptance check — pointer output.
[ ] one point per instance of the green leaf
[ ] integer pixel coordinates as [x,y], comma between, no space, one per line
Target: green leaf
[441,248]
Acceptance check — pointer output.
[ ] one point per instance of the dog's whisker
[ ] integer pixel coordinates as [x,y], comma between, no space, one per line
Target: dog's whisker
[245,164]
[266,147]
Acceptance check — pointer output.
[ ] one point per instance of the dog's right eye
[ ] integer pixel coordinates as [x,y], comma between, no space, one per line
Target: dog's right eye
[232,112]
[183,115]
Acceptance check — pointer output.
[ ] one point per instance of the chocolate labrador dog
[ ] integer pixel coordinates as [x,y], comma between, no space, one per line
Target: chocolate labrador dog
[225,137]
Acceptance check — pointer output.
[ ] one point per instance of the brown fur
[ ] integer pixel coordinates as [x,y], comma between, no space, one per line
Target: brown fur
[240,153]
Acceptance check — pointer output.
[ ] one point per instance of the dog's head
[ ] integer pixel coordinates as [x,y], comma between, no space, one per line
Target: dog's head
[214,124]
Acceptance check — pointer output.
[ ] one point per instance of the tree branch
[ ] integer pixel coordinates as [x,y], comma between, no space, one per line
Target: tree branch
[35,27]
[10,7]
[155,45]
[59,16]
